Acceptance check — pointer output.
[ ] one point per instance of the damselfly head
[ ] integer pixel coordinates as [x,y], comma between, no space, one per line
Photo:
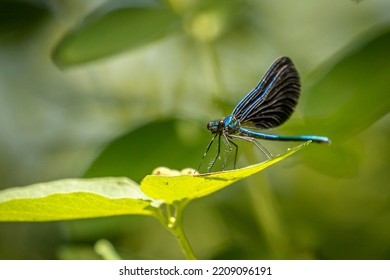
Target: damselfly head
[214,126]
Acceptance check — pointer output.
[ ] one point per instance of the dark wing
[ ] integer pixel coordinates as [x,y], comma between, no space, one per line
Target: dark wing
[273,100]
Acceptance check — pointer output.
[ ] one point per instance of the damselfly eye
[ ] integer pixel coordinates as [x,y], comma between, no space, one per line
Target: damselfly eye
[213,126]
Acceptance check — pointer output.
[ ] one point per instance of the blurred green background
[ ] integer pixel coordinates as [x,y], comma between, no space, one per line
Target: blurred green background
[117,88]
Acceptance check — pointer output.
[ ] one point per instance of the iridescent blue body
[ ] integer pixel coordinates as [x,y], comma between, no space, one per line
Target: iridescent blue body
[268,105]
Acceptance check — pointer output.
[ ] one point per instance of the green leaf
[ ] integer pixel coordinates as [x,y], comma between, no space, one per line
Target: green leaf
[88,198]
[347,95]
[75,199]
[353,94]
[188,187]
[113,29]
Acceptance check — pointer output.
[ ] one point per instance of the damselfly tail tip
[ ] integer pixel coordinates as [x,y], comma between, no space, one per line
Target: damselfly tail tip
[323,140]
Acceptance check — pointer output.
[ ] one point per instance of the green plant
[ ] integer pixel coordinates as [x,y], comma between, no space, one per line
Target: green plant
[162,195]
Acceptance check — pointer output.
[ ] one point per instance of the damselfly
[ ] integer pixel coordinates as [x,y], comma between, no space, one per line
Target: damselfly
[268,105]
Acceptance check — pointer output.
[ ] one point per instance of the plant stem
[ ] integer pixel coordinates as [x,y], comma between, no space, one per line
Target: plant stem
[175,225]
[266,211]
[106,250]
[185,245]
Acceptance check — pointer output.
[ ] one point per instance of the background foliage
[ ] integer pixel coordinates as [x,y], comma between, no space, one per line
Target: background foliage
[117,88]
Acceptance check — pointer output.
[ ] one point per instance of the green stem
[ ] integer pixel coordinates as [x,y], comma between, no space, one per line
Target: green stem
[215,68]
[269,218]
[175,225]
[106,250]
[213,75]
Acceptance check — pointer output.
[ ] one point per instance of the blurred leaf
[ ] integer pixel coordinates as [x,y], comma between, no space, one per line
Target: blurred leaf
[348,95]
[338,160]
[169,142]
[74,199]
[19,18]
[353,94]
[113,28]
[189,187]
